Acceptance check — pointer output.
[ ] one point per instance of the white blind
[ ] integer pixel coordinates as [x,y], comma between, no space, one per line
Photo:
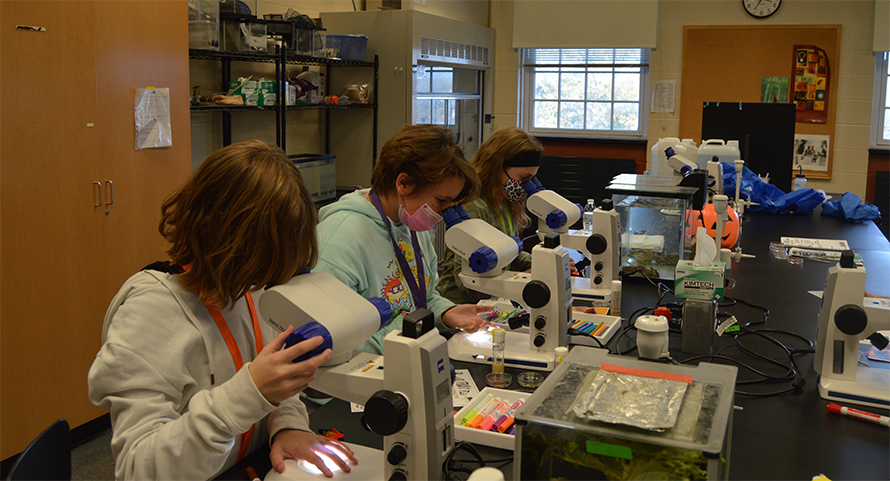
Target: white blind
[882,26]
[585,23]
[585,57]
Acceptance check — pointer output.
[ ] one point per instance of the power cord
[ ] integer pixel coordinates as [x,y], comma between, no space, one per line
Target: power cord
[578,332]
[452,466]
[791,373]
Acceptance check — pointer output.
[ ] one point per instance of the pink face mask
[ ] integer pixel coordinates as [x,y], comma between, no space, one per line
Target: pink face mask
[422,220]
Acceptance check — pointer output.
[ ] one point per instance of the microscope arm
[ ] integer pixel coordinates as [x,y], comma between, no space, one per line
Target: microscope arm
[577,240]
[878,313]
[508,284]
[354,380]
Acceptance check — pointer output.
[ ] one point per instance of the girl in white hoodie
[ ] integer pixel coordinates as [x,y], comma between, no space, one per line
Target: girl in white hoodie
[192,379]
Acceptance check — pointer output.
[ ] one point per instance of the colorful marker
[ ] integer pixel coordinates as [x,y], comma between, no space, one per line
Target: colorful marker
[856,413]
[602,329]
[507,415]
[472,412]
[493,416]
[504,425]
[479,417]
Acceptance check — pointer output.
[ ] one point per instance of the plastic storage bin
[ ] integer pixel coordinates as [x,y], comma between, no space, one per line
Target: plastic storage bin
[351,46]
[203,24]
[244,36]
[310,42]
[319,174]
[554,443]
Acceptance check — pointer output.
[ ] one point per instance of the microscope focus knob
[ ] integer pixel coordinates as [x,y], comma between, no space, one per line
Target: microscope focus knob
[598,266]
[536,294]
[398,475]
[483,260]
[386,412]
[540,340]
[850,319]
[556,219]
[397,454]
[596,244]
[598,279]
[540,322]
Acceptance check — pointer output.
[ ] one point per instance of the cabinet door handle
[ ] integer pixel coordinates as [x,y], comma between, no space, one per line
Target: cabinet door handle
[100,193]
[110,185]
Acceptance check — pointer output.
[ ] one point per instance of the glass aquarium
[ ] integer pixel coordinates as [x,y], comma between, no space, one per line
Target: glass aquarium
[652,211]
[553,442]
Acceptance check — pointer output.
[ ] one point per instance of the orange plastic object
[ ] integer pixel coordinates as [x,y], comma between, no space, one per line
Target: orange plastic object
[707,218]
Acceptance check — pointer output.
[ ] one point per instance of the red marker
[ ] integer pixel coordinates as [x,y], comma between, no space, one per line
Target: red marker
[855,413]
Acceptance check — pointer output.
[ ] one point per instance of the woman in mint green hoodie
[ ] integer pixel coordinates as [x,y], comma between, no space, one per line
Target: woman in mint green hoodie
[369,238]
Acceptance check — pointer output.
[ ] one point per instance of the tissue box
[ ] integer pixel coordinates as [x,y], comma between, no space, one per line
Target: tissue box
[699,282]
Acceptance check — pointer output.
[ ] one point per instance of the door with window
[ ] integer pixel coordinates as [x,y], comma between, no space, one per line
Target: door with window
[450,97]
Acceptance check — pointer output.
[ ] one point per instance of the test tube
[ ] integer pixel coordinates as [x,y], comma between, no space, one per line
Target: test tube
[497,377]
[615,303]
[498,337]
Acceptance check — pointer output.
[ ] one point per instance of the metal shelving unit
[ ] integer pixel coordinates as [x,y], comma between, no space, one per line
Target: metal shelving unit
[281,58]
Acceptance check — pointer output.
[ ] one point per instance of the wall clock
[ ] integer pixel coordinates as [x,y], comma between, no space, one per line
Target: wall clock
[761,8]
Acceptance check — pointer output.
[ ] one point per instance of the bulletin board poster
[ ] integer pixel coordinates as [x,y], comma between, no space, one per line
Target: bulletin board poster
[811,152]
[811,72]
[774,90]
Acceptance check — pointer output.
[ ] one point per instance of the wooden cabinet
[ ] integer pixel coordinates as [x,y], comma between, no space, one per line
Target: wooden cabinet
[68,122]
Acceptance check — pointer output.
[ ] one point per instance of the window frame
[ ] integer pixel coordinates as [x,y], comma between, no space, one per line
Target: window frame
[527,102]
[880,101]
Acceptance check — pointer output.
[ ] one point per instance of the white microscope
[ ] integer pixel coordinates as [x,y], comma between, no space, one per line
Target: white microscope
[485,251]
[408,403]
[846,317]
[600,246]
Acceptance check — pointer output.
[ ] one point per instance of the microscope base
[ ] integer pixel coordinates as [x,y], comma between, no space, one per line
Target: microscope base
[370,466]
[871,388]
[476,348]
[581,291]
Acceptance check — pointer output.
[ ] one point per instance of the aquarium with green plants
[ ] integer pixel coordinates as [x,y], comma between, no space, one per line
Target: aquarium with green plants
[653,214]
[668,433]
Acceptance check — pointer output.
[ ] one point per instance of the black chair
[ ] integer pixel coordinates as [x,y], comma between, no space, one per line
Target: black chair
[48,457]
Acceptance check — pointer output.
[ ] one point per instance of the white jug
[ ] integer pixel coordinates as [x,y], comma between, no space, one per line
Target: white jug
[726,151]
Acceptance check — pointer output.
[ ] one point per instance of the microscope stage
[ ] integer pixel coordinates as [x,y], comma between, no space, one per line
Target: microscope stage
[871,388]
[476,348]
[370,466]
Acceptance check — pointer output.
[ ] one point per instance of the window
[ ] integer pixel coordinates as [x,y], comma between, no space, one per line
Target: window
[450,97]
[880,121]
[585,92]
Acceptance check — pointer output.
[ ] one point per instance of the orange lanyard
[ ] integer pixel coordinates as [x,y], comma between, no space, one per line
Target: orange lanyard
[236,353]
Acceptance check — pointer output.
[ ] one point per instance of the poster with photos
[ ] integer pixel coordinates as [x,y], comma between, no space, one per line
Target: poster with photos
[811,152]
[811,73]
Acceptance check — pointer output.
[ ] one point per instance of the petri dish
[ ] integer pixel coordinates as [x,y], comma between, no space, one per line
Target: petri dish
[499,379]
[530,379]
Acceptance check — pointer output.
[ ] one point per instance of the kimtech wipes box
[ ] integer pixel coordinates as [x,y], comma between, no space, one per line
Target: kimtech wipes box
[699,282]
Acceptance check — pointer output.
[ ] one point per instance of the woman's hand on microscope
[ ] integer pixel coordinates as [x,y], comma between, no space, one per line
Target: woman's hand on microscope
[275,374]
[296,444]
[464,317]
